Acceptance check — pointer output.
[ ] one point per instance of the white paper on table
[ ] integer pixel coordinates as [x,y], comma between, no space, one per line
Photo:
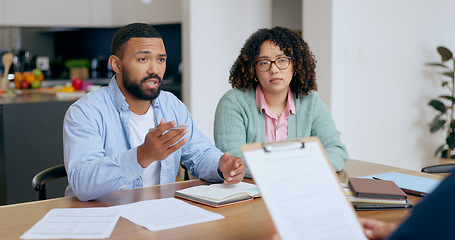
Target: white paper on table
[302,194]
[161,214]
[74,223]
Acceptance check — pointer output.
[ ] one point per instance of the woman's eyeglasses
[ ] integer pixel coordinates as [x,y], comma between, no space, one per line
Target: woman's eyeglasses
[281,63]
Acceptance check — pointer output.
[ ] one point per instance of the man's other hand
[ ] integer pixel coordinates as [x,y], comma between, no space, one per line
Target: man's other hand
[376,229]
[232,168]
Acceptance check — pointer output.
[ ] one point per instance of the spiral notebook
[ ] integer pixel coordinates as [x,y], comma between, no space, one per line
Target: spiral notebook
[301,190]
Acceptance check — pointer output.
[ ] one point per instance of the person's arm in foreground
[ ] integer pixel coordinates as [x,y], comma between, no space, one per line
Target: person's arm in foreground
[375,229]
[432,218]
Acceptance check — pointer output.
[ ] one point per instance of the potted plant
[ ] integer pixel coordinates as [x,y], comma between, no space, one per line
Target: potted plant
[78,67]
[444,104]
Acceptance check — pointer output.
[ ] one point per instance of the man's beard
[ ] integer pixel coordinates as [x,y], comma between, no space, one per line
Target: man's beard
[136,89]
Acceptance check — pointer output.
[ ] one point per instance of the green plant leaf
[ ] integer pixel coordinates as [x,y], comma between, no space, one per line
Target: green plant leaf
[445,53]
[77,63]
[448,74]
[438,105]
[448,97]
[451,142]
[444,153]
[440,148]
[437,124]
[438,64]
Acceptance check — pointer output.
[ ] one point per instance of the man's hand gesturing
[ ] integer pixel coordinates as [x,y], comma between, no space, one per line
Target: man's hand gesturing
[160,143]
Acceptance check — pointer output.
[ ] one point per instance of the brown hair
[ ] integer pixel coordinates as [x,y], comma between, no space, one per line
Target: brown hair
[243,71]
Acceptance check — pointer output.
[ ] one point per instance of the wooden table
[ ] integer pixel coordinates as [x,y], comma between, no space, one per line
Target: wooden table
[249,220]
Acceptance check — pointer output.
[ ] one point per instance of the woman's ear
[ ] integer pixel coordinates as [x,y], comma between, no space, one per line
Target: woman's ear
[114,61]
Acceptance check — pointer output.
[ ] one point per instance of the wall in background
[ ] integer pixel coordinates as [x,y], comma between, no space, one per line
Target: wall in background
[287,13]
[9,38]
[213,34]
[372,73]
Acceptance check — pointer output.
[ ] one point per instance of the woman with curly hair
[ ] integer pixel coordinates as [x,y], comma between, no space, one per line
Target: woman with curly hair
[274,97]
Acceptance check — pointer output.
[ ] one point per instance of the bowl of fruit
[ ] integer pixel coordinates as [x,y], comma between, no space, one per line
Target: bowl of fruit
[28,79]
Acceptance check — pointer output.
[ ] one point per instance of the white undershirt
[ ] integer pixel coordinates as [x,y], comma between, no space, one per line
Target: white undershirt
[139,126]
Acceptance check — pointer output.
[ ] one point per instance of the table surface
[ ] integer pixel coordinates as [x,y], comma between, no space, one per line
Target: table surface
[21,96]
[248,220]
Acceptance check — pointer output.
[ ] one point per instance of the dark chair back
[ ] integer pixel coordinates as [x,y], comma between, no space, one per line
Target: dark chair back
[45,176]
[439,168]
[187,175]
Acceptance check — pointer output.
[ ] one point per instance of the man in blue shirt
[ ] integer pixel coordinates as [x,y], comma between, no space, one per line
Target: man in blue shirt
[107,142]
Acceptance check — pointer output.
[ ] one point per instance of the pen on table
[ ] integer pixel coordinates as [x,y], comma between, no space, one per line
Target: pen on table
[172,128]
[408,191]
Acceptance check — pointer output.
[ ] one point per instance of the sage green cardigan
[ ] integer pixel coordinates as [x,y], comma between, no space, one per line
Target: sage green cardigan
[238,120]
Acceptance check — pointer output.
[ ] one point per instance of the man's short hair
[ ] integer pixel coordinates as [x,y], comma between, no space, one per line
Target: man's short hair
[133,30]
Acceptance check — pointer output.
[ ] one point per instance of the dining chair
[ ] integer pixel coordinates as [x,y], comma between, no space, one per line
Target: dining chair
[439,168]
[187,175]
[45,176]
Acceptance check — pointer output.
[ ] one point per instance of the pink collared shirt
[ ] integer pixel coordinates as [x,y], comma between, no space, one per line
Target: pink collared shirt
[276,129]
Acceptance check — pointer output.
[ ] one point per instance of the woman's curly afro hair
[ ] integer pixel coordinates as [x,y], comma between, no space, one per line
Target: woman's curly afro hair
[243,71]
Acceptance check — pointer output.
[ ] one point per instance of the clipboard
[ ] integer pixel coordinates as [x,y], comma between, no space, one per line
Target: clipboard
[301,190]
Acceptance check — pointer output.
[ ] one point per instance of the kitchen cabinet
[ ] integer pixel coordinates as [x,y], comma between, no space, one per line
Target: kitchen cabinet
[2,12]
[66,13]
[100,13]
[31,139]
[86,13]
[152,12]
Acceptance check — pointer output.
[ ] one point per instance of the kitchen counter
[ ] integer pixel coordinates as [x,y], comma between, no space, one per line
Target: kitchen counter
[38,95]
[31,129]
[94,81]
[32,95]
[46,95]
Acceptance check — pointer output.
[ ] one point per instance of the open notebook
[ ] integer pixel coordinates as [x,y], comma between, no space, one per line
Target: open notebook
[301,190]
[219,194]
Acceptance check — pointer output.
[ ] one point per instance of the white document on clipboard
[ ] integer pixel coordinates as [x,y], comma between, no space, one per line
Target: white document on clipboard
[301,190]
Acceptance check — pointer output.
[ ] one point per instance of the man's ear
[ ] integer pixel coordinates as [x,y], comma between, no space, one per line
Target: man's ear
[114,61]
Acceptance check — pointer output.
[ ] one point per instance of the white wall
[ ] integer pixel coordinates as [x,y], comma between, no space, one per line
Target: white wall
[379,84]
[317,31]
[213,33]
[287,13]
